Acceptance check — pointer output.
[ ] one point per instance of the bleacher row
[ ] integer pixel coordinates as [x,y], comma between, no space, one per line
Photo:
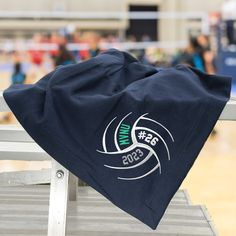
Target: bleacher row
[24,211]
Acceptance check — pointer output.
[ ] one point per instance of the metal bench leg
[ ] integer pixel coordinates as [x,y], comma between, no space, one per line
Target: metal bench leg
[58,200]
[73,187]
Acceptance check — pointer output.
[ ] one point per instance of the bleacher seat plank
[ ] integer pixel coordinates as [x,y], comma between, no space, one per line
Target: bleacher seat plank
[22,151]
[14,133]
[82,200]
[194,221]
[16,178]
[84,194]
[44,189]
[24,211]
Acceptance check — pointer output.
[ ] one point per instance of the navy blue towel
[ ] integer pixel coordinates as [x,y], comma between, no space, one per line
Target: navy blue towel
[130,131]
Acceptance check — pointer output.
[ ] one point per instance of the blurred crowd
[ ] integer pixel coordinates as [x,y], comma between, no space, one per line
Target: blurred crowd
[46,51]
[27,64]
[197,54]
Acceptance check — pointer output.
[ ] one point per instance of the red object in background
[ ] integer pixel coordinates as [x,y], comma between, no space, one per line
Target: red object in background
[36,57]
[84,54]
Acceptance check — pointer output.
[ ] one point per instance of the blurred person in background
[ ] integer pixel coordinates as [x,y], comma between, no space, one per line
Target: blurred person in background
[203,42]
[65,57]
[131,38]
[146,38]
[18,76]
[190,55]
[197,54]
[36,53]
[92,39]
[209,62]
[206,53]
[228,11]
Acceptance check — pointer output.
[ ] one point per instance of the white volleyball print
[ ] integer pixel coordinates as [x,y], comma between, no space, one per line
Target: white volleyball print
[134,145]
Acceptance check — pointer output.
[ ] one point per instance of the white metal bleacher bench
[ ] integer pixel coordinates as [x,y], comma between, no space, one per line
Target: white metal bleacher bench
[16,144]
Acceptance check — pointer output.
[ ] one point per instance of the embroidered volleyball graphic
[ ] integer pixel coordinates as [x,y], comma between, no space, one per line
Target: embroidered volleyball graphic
[132,147]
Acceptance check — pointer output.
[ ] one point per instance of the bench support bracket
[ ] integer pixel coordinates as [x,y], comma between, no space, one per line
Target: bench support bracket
[58,200]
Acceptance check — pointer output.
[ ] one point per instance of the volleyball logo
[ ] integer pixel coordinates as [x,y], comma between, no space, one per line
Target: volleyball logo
[132,147]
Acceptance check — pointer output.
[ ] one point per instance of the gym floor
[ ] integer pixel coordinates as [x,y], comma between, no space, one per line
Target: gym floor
[211,180]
